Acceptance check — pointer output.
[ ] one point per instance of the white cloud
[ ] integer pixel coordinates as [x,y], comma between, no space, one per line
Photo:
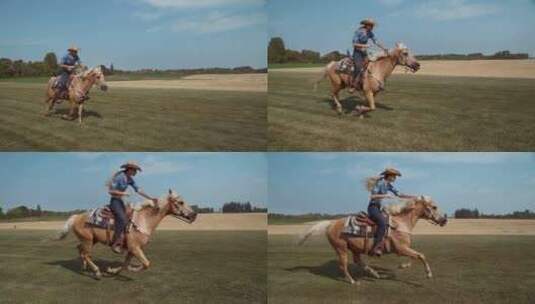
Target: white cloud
[219,22]
[454,10]
[199,3]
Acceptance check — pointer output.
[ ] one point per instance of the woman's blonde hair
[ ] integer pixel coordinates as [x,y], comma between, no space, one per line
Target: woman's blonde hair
[110,180]
[369,182]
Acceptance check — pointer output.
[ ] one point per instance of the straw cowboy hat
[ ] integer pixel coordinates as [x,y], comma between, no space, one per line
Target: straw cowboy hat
[73,47]
[131,165]
[368,21]
[390,171]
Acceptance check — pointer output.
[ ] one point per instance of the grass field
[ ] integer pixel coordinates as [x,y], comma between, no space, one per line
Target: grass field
[187,267]
[467,269]
[416,113]
[134,120]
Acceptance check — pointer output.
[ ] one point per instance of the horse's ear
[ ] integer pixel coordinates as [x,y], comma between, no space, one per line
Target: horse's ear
[170,191]
[397,45]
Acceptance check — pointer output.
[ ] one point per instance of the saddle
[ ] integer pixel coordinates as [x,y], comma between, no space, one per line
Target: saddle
[347,66]
[103,218]
[361,226]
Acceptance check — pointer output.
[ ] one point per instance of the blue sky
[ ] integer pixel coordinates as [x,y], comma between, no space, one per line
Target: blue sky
[134,34]
[426,26]
[66,181]
[332,182]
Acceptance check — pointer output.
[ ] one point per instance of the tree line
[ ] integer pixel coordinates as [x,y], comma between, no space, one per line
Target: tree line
[278,53]
[49,67]
[23,211]
[475,214]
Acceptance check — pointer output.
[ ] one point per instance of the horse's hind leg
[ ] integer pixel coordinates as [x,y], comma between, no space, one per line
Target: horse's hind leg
[82,257]
[357,260]
[337,103]
[343,263]
[49,106]
[80,113]
[85,249]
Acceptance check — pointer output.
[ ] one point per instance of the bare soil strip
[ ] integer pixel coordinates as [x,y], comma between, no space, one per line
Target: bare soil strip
[467,68]
[234,222]
[212,82]
[454,227]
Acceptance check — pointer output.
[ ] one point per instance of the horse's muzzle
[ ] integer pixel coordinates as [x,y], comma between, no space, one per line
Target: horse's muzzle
[415,67]
[443,221]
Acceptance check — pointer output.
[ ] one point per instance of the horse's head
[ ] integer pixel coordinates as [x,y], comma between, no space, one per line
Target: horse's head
[179,209]
[430,211]
[97,76]
[405,58]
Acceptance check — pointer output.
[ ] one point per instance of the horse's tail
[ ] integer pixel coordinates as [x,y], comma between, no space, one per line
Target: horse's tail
[66,228]
[323,75]
[318,227]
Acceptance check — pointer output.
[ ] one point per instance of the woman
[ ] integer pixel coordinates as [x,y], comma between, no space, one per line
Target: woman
[379,188]
[360,46]
[67,65]
[117,187]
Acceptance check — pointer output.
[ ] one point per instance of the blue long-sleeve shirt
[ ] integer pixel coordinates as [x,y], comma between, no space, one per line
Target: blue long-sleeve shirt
[382,187]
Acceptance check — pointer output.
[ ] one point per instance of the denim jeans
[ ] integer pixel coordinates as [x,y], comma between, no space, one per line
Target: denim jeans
[359,57]
[119,211]
[374,212]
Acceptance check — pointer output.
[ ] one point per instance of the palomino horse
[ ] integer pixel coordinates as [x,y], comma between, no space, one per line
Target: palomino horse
[145,220]
[373,78]
[404,217]
[79,87]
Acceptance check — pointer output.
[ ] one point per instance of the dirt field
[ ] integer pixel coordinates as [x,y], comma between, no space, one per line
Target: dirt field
[454,227]
[215,82]
[234,222]
[472,68]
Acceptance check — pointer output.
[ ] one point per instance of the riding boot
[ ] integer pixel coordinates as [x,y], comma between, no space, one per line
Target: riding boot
[377,249]
[117,246]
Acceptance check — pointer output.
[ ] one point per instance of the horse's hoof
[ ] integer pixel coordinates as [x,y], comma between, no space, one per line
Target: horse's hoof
[98,276]
[429,275]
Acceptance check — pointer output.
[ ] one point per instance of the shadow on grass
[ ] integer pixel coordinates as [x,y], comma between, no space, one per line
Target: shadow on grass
[87,113]
[330,270]
[75,265]
[350,103]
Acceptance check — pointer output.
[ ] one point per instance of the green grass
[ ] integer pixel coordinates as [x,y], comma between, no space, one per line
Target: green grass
[416,113]
[187,267]
[134,120]
[466,269]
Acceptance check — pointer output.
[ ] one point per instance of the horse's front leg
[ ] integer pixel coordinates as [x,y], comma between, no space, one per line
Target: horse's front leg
[407,251]
[140,255]
[117,270]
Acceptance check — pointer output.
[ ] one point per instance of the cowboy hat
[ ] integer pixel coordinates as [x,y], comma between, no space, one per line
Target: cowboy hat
[73,47]
[131,165]
[390,171]
[368,21]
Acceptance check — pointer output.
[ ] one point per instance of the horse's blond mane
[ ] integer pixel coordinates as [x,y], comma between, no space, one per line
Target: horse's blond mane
[402,207]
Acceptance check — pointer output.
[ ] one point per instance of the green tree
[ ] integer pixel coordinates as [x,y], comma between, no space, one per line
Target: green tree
[51,63]
[276,51]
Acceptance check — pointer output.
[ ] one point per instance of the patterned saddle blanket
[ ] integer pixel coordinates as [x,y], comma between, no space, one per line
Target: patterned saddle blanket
[101,217]
[361,225]
[345,66]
